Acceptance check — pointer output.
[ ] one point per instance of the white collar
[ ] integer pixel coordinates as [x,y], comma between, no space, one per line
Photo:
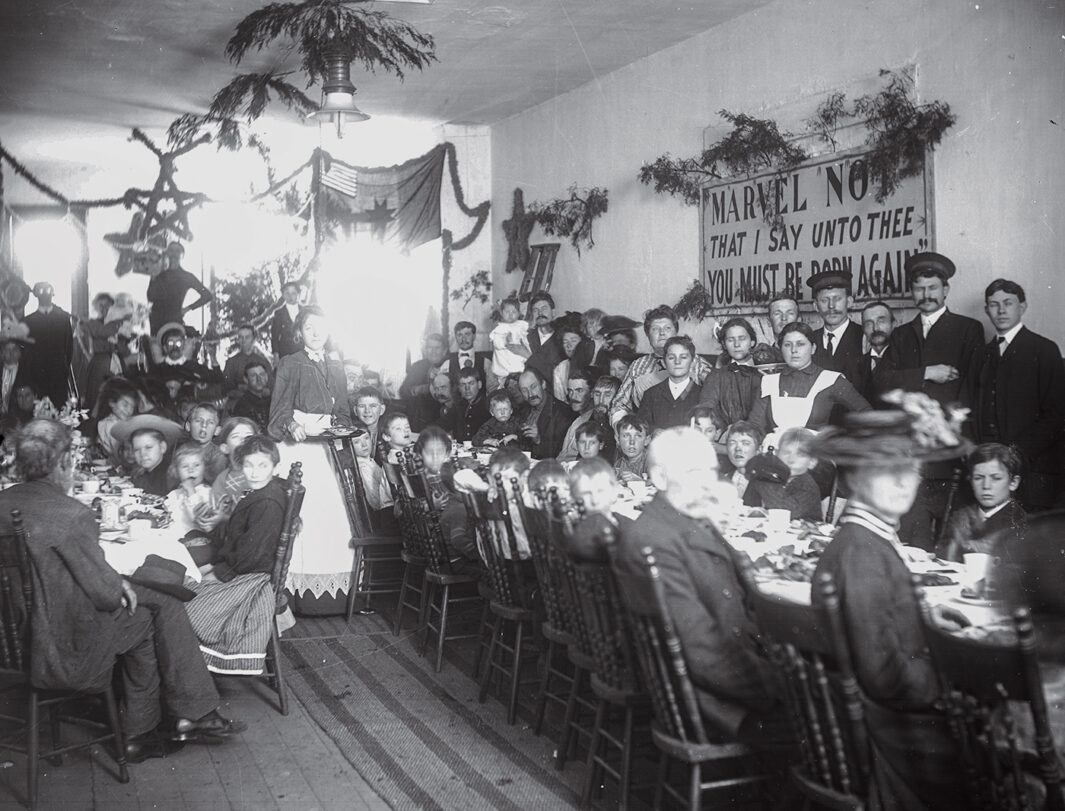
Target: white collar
[1007,337]
[838,331]
[678,388]
[317,357]
[545,333]
[293,309]
[875,354]
[988,513]
[930,320]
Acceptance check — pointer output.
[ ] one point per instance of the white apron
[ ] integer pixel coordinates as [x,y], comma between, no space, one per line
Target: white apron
[792,412]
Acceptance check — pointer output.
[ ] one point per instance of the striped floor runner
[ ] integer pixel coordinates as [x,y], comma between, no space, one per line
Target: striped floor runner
[420,739]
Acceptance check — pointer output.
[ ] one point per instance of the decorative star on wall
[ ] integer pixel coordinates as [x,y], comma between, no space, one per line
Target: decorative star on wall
[517,230]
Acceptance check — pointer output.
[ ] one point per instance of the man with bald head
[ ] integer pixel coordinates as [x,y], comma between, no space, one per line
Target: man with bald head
[734,684]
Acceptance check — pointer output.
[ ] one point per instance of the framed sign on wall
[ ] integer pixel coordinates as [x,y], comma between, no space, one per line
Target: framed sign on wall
[829,219]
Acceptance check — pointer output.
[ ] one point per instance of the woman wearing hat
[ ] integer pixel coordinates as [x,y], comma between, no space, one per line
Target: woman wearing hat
[310,395]
[879,454]
[803,395]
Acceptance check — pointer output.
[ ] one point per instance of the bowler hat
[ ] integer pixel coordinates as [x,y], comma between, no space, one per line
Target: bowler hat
[878,438]
[124,429]
[616,323]
[929,262]
[830,278]
[162,574]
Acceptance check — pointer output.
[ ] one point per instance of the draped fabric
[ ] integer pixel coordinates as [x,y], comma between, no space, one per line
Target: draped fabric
[398,204]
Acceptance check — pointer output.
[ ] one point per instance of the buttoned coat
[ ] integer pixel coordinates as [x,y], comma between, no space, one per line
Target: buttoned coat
[282,332]
[707,603]
[302,384]
[847,357]
[1027,388]
[554,420]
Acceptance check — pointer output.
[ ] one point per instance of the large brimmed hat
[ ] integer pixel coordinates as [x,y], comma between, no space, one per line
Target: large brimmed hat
[124,429]
[171,326]
[878,438]
[163,574]
[616,323]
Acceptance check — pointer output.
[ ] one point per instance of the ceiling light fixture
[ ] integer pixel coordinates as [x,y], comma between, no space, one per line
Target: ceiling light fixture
[338,92]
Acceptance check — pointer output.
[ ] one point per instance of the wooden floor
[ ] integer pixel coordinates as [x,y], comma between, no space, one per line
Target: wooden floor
[281,762]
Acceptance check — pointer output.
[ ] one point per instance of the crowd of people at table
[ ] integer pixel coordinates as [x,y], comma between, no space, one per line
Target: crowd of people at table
[567,402]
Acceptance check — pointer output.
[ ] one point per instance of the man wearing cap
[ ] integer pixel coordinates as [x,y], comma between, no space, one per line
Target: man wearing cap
[167,290]
[48,356]
[86,616]
[1020,397]
[939,353]
[838,343]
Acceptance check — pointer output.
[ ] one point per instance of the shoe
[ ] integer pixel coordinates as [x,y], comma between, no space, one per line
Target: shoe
[211,727]
[140,748]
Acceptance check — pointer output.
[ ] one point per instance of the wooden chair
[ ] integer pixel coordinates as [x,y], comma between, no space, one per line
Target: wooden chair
[414,557]
[809,648]
[375,548]
[614,679]
[16,633]
[556,677]
[985,685]
[677,728]
[512,615]
[294,492]
[444,589]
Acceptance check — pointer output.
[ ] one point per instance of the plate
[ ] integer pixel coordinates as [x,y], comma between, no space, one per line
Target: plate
[113,535]
[980,601]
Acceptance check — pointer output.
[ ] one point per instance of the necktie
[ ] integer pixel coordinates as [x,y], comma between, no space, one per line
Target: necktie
[828,341]
[925,326]
[996,347]
[872,362]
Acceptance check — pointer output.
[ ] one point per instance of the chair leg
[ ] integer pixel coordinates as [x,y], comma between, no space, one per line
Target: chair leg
[33,748]
[479,657]
[695,791]
[426,616]
[53,726]
[116,729]
[398,622]
[273,653]
[515,676]
[592,774]
[443,627]
[626,760]
[545,683]
[353,585]
[568,719]
[660,783]
[486,674]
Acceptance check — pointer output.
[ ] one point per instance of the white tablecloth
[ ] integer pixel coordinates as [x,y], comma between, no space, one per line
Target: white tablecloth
[126,557]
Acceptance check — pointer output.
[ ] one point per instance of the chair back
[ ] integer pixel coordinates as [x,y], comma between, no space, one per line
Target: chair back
[497,543]
[16,599]
[659,654]
[599,607]
[294,492]
[808,648]
[984,685]
[539,526]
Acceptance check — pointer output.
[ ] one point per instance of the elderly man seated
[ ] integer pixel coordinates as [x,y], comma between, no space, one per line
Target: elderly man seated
[734,684]
[87,617]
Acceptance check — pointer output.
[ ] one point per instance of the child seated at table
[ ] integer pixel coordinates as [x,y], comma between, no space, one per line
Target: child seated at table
[742,441]
[510,464]
[595,484]
[633,436]
[592,439]
[799,493]
[703,420]
[234,606]
[374,483]
[227,488]
[368,406]
[396,436]
[202,425]
[994,474]
[543,476]
[183,501]
[501,428]
[152,455]
[119,402]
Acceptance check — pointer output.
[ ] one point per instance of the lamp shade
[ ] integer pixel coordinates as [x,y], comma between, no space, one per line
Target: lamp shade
[338,93]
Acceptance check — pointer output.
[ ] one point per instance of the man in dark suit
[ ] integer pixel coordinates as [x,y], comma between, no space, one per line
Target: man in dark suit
[545,419]
[414,390]
[545,343]
[1021,394]
[838,343]
[939,353]
[466,357]
[472,405]
[735,685]
[283,324]
[49,354]
[86,615]
[878,322]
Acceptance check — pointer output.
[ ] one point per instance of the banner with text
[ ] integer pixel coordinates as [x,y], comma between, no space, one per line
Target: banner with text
[830,220]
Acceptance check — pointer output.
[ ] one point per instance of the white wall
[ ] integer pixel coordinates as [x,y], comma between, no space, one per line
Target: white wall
[999,176]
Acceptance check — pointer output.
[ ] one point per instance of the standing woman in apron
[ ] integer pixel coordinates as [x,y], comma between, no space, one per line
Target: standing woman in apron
[310,393]
[803,394]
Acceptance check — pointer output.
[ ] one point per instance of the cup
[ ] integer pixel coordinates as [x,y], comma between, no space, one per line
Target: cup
[90,486]
[976,564]
[140,529]
[779,520]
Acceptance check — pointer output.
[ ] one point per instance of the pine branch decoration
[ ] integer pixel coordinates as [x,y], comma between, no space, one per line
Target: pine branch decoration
[572,217]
